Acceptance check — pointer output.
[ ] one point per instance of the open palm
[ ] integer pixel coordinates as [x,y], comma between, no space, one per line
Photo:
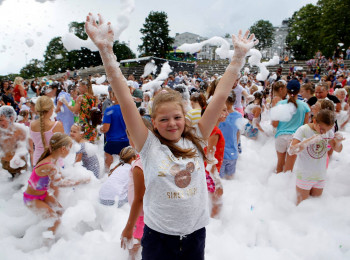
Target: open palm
[100,33]
[243,44]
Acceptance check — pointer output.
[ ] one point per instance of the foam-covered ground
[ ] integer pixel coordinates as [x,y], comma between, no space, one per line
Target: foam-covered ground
[259,219]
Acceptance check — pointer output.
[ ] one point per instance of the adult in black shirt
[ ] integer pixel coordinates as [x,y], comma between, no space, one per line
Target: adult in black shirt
[321,92]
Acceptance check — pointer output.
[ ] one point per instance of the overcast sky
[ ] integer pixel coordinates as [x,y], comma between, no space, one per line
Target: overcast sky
[38,21]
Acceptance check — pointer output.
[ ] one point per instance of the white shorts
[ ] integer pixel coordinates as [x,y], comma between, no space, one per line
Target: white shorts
[282,143]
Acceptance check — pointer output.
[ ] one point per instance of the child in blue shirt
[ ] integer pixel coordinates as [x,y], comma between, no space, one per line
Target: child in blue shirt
[231,134]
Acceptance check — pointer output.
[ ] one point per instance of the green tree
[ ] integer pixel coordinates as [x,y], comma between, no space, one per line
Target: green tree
[264,32]
[319,27]
[303,39]
[56,57]
[35,68]
[78,29]
[155,40]
[122,51]
[335,24]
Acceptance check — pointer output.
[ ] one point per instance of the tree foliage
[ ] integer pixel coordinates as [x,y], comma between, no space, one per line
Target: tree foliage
[35,68]
[155,40]
[122,51]
[319,27]
[264,32]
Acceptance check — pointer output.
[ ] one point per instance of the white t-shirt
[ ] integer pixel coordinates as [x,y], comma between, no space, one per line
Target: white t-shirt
[176,197]
[116,184]
[311,162]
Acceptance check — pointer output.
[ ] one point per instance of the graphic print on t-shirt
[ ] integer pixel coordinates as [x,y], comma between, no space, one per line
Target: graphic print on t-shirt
[182,177]
[317,151]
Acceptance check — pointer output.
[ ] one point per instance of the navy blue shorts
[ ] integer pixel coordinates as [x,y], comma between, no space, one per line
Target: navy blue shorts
[114,147]
[159,246]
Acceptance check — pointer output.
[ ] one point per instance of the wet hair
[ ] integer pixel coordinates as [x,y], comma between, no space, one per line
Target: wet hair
[81,127]
[291,99]
[8,112]
[231,99]
[258,95]
[42,106]
[327,104]
[182,89]
[57,141]
[309,87]
[167,96]
[326,116]
[212,87]
[276,86]
[23,113]
[125,155]
[198,98]
[56,85]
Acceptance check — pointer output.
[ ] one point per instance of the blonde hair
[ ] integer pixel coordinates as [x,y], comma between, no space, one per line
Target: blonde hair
[18,81]
[57,141]
[166,96]
[43,105]
[125,155]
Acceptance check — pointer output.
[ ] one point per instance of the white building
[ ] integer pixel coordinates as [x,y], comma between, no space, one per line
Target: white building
[279,45]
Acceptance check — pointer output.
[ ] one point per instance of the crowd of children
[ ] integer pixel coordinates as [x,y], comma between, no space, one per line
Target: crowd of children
[175,149]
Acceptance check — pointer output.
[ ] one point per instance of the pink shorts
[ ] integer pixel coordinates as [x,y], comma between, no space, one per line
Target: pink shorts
[138,230]
[29,197]
[308,185]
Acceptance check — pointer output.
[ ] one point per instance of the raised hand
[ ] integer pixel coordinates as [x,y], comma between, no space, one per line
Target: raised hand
[243,44]
[100,33]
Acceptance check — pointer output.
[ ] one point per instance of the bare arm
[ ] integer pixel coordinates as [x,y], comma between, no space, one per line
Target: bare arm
[58,128]
[76,108]
[137,204]
[242,45]
[105,128]
[102,35]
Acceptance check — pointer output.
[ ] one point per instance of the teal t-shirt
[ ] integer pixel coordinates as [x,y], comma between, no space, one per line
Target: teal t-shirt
[290,127]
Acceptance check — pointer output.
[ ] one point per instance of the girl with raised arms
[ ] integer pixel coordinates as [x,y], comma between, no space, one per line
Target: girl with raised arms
[176,198]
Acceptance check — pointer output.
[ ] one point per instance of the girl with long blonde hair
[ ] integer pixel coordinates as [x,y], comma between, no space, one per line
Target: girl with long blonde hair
[42,129]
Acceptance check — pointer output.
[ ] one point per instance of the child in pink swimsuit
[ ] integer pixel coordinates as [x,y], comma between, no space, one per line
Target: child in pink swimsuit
[36,195]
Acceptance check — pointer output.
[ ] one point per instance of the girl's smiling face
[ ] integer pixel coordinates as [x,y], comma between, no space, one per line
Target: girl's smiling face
[75,133]
[169,121]
[223,115]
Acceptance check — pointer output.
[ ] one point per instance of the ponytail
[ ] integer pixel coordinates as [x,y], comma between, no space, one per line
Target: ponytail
[293,97]
[42,128]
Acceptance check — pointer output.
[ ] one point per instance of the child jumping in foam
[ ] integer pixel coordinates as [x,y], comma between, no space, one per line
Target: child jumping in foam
[176,200]
[310,144]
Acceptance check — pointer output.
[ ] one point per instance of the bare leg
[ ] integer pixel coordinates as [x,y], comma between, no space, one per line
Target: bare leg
[108,161]
[216,202]
[290,160]
[302,195]
[281,159]
[316,192]
[47,212]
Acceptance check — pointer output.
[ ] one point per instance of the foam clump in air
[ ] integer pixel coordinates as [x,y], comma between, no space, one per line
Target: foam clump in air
[283,112]
[156,84]
[29,42]
[150,67]
[72,42]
